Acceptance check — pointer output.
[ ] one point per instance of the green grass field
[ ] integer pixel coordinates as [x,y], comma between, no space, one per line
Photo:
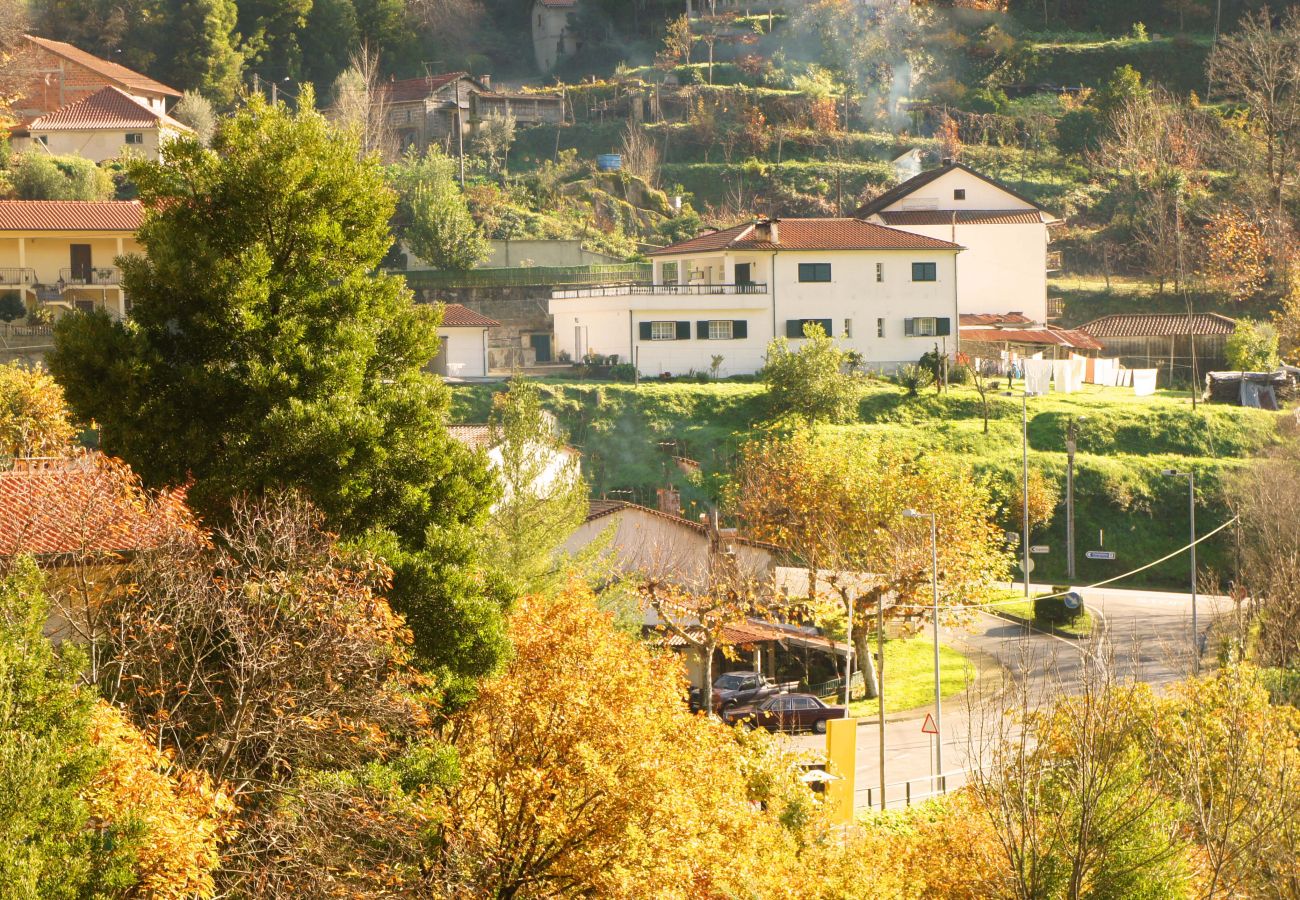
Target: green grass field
[630,435]
[909,676]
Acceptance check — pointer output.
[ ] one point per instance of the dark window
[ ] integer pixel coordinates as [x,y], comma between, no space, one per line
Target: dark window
[820,272]
[959,194]
[133,137]
[794,328]
[925,272]
[742,274]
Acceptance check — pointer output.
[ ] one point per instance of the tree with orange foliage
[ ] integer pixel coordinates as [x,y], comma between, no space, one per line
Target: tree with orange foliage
[34,418]
[1236,254]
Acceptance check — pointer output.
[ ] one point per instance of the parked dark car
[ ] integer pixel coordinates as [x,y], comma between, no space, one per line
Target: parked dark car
[786,712]
[736,688]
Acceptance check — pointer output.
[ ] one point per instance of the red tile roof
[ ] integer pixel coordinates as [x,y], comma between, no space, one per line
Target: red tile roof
[88,504]
[408,90]
[1046,336]
[1159,325]
[599,509]
[70,215]
[109,108]
[809,234]
[456,316]
[560,4]
[475,437]
[131,80]
[977,319]
[906,217]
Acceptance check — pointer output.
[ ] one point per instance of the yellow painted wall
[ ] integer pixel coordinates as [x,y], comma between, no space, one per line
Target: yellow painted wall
[50,252]
[841,758]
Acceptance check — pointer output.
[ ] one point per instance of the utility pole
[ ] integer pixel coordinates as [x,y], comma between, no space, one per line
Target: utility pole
[880,686]
[460,137]
[1071,444]
[1191,517]
[934,580]
[1024,450]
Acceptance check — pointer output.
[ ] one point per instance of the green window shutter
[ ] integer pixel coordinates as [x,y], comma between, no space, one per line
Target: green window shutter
[909,327]
[702,330]
[739,329]
[683,331]
[645,331]
[942,327]
[794,328]
[828,326]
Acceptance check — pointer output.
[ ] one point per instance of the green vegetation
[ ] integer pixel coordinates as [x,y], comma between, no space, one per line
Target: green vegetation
[909,676]
[630,434]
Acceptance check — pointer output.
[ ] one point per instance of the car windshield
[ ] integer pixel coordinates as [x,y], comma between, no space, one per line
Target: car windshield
[732,681]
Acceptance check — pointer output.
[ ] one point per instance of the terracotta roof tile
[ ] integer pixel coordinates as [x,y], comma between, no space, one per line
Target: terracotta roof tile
[906,217]
[109,108]
[70,215]
[51,507]
[977,319]
[599,509]
[408,90]
[809,234]
[1046,336]
[456,316]
[128,78]
[475,437]
[1159,325]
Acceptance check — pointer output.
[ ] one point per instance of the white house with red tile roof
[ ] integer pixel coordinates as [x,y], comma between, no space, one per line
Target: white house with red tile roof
[885,293]
[63,253]
[106,125]
[1005,235]
[463,352]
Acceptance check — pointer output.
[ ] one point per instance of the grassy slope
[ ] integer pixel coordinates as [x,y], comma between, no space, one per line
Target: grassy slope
[629,434]
[909,677]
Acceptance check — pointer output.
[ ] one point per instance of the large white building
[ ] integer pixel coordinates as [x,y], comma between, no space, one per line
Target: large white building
[1005,235]
[888,294]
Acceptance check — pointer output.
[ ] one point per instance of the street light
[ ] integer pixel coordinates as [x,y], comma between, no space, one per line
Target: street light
[1191,513]
[934,579]
[1024,450]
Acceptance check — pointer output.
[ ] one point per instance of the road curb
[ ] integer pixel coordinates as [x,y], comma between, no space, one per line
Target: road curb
[986,667]
[1029,623]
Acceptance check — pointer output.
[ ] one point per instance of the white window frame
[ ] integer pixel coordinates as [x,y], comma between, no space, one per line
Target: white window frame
[925,326]
[722,329]
[135,137]
[663,331]
[880,272]
[880,328]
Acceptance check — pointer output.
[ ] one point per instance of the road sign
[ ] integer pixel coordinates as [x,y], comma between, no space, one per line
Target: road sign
[1040,549]
[1100,554]
[1072,600]
[1021,565]
[928,727]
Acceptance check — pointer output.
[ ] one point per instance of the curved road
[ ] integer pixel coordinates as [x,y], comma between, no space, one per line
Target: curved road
[1143,635]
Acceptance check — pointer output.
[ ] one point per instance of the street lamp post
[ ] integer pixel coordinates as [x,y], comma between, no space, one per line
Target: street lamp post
[1071,444]
[1191,514]
[934,580]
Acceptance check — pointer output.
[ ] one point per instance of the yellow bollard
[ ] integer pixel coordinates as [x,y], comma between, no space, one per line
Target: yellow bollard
[841,762]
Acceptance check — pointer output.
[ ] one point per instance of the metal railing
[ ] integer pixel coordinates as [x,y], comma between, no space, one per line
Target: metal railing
[1054,260]
[640,288]
[99,276]
[528,276]
[16,276]
[914,790]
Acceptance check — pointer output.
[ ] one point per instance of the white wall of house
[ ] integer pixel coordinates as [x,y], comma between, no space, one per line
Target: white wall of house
[99,144]
[868,312]
[463,353]
[551,37]
[1004,266]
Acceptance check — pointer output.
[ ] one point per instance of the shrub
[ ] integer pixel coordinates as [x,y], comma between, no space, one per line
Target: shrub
[39,176]
[623,372]
[961,374]
[1079,131]
[1252,347]
[1052,610]
[11,306]
[809,382]
[913,379]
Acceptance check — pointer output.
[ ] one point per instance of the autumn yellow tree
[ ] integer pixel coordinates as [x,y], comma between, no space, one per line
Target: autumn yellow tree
[1236,254]
[34,418]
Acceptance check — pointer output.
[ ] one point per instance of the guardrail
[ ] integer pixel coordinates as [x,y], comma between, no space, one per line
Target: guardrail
[528,276]
[651,290]
[14,276]
[915,790]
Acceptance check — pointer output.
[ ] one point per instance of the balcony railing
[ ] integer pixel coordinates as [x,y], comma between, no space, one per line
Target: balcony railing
[644,289]
[15,277]
[100,276]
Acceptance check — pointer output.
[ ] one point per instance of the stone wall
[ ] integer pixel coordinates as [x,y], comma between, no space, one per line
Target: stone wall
[522,311]
[25,344]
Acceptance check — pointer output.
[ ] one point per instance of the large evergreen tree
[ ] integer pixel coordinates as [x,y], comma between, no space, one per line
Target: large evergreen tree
[195,48]
[265,351]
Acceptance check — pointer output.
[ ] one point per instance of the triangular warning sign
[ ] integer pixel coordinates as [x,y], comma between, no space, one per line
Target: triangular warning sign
[929,727]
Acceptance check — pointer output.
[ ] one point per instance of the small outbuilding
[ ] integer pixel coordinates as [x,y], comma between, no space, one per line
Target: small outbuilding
[1169,342]
[463,352]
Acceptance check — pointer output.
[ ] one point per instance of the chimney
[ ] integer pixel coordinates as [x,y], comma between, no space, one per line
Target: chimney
[947,161]
[766,230]
[487,81]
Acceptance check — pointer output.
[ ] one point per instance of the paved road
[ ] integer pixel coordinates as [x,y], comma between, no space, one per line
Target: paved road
[1144,635]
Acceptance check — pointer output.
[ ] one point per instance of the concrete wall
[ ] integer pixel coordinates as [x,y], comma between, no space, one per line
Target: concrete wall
[938,194]
[509,254]
[858,305]
[1003,269]
[520,310]
[464,352]
[551,38]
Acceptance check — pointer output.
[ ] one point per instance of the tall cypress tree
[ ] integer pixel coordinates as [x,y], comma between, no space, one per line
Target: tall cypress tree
[195,48]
